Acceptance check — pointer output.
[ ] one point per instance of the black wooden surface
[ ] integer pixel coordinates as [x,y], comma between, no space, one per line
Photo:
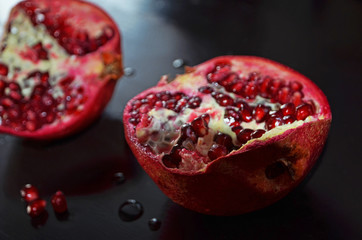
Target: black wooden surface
[319,38]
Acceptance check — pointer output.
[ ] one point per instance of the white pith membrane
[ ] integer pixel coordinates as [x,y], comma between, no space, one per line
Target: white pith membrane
[163,132]
[17,43]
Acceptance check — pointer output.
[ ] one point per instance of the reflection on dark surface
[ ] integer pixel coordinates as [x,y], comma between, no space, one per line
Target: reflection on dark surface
[75,167]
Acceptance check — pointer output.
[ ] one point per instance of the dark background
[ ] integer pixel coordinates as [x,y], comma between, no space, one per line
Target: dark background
[319,38]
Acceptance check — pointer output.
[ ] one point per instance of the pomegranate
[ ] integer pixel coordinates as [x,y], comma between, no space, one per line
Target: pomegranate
[231,135]
[59,63]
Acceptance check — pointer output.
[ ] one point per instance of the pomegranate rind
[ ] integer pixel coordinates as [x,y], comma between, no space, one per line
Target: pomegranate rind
[238,183]
[98,87]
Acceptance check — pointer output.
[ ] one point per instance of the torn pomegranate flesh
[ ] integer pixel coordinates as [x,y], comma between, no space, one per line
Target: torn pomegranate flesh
[178,125]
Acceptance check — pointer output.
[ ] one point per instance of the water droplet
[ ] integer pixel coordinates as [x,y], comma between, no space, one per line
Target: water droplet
[128,71]
[130,210]
[154,224]
[119,178]
[178,63]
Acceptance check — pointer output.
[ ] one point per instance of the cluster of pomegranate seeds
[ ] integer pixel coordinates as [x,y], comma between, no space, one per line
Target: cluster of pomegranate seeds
[36,205]
[252,105]
[43,106]
[176,101]
[59,202]
[74,41]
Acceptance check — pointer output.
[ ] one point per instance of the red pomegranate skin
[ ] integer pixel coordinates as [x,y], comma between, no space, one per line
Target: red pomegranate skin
[237,183]
[98,78]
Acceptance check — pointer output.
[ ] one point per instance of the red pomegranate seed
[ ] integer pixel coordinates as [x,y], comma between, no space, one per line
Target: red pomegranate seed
[297,98]
[283,95]
[246,115]
[164,96]
[171,104]
[181,104]
[303,111]
[199,125]
[217,151]
[274,86]
[260,112]
[194,102]
[59,202]
[287,109]
[250,90]
[241,104]
[42,54]
[36,208]
[224,140]
[230,112]
[218,75]
[263,86]
[236,88]
[254,76]
[29,193]
[288,119]
[272,122]
[228,81]
[187,133]
[225,100]
[3,69]
[206,118]
[173,159]
[206,89]
[236,129]
[152,98]
[257,133]
[295,86]
[222,64]
[244,135]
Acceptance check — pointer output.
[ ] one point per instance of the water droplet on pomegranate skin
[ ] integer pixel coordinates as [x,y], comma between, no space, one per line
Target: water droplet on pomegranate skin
[178,63]
[130,210]
[154,224]
[29,193]
[36,208]
[128,71]
[59,202]
[119,178]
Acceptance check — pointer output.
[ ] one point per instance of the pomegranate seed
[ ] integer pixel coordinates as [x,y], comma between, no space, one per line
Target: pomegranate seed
[181,104]
[263,86]
[36,208]
[288,119]
[283,95]
[254,76]
[59,202]
[250,90]
[164,96]
[225,100]
[206,89]
[15,95]
[199,125]
[295,86]
[287,109]
[257,133]
[224,140]
[217,151]
[152,98]
[274,86]
[230,112]
[260,112]
[241,104]
[244,135]
[236,88]
[134,121]
[228,81]
[272,122]
[3,69]
[173,159]
[246,115]
[296,98]
[194,102]
[206,118]
[187,133]
[222,64]
[236,129]
[303,111]
[29,193]
[218,75]
[171,104]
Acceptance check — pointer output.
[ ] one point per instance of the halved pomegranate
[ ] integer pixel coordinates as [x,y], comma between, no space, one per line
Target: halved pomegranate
[59,63]
[232,135]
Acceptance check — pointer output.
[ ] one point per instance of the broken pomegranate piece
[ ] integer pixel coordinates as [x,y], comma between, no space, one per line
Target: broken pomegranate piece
[232,135]
[59,63]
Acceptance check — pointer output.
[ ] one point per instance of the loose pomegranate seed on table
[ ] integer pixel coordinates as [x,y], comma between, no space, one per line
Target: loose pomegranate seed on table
[59,202]
[224,123]
[29,193]
[36,208]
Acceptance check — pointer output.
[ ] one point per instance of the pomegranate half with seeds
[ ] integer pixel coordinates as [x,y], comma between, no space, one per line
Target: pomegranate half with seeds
[59,63]
[232,135]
